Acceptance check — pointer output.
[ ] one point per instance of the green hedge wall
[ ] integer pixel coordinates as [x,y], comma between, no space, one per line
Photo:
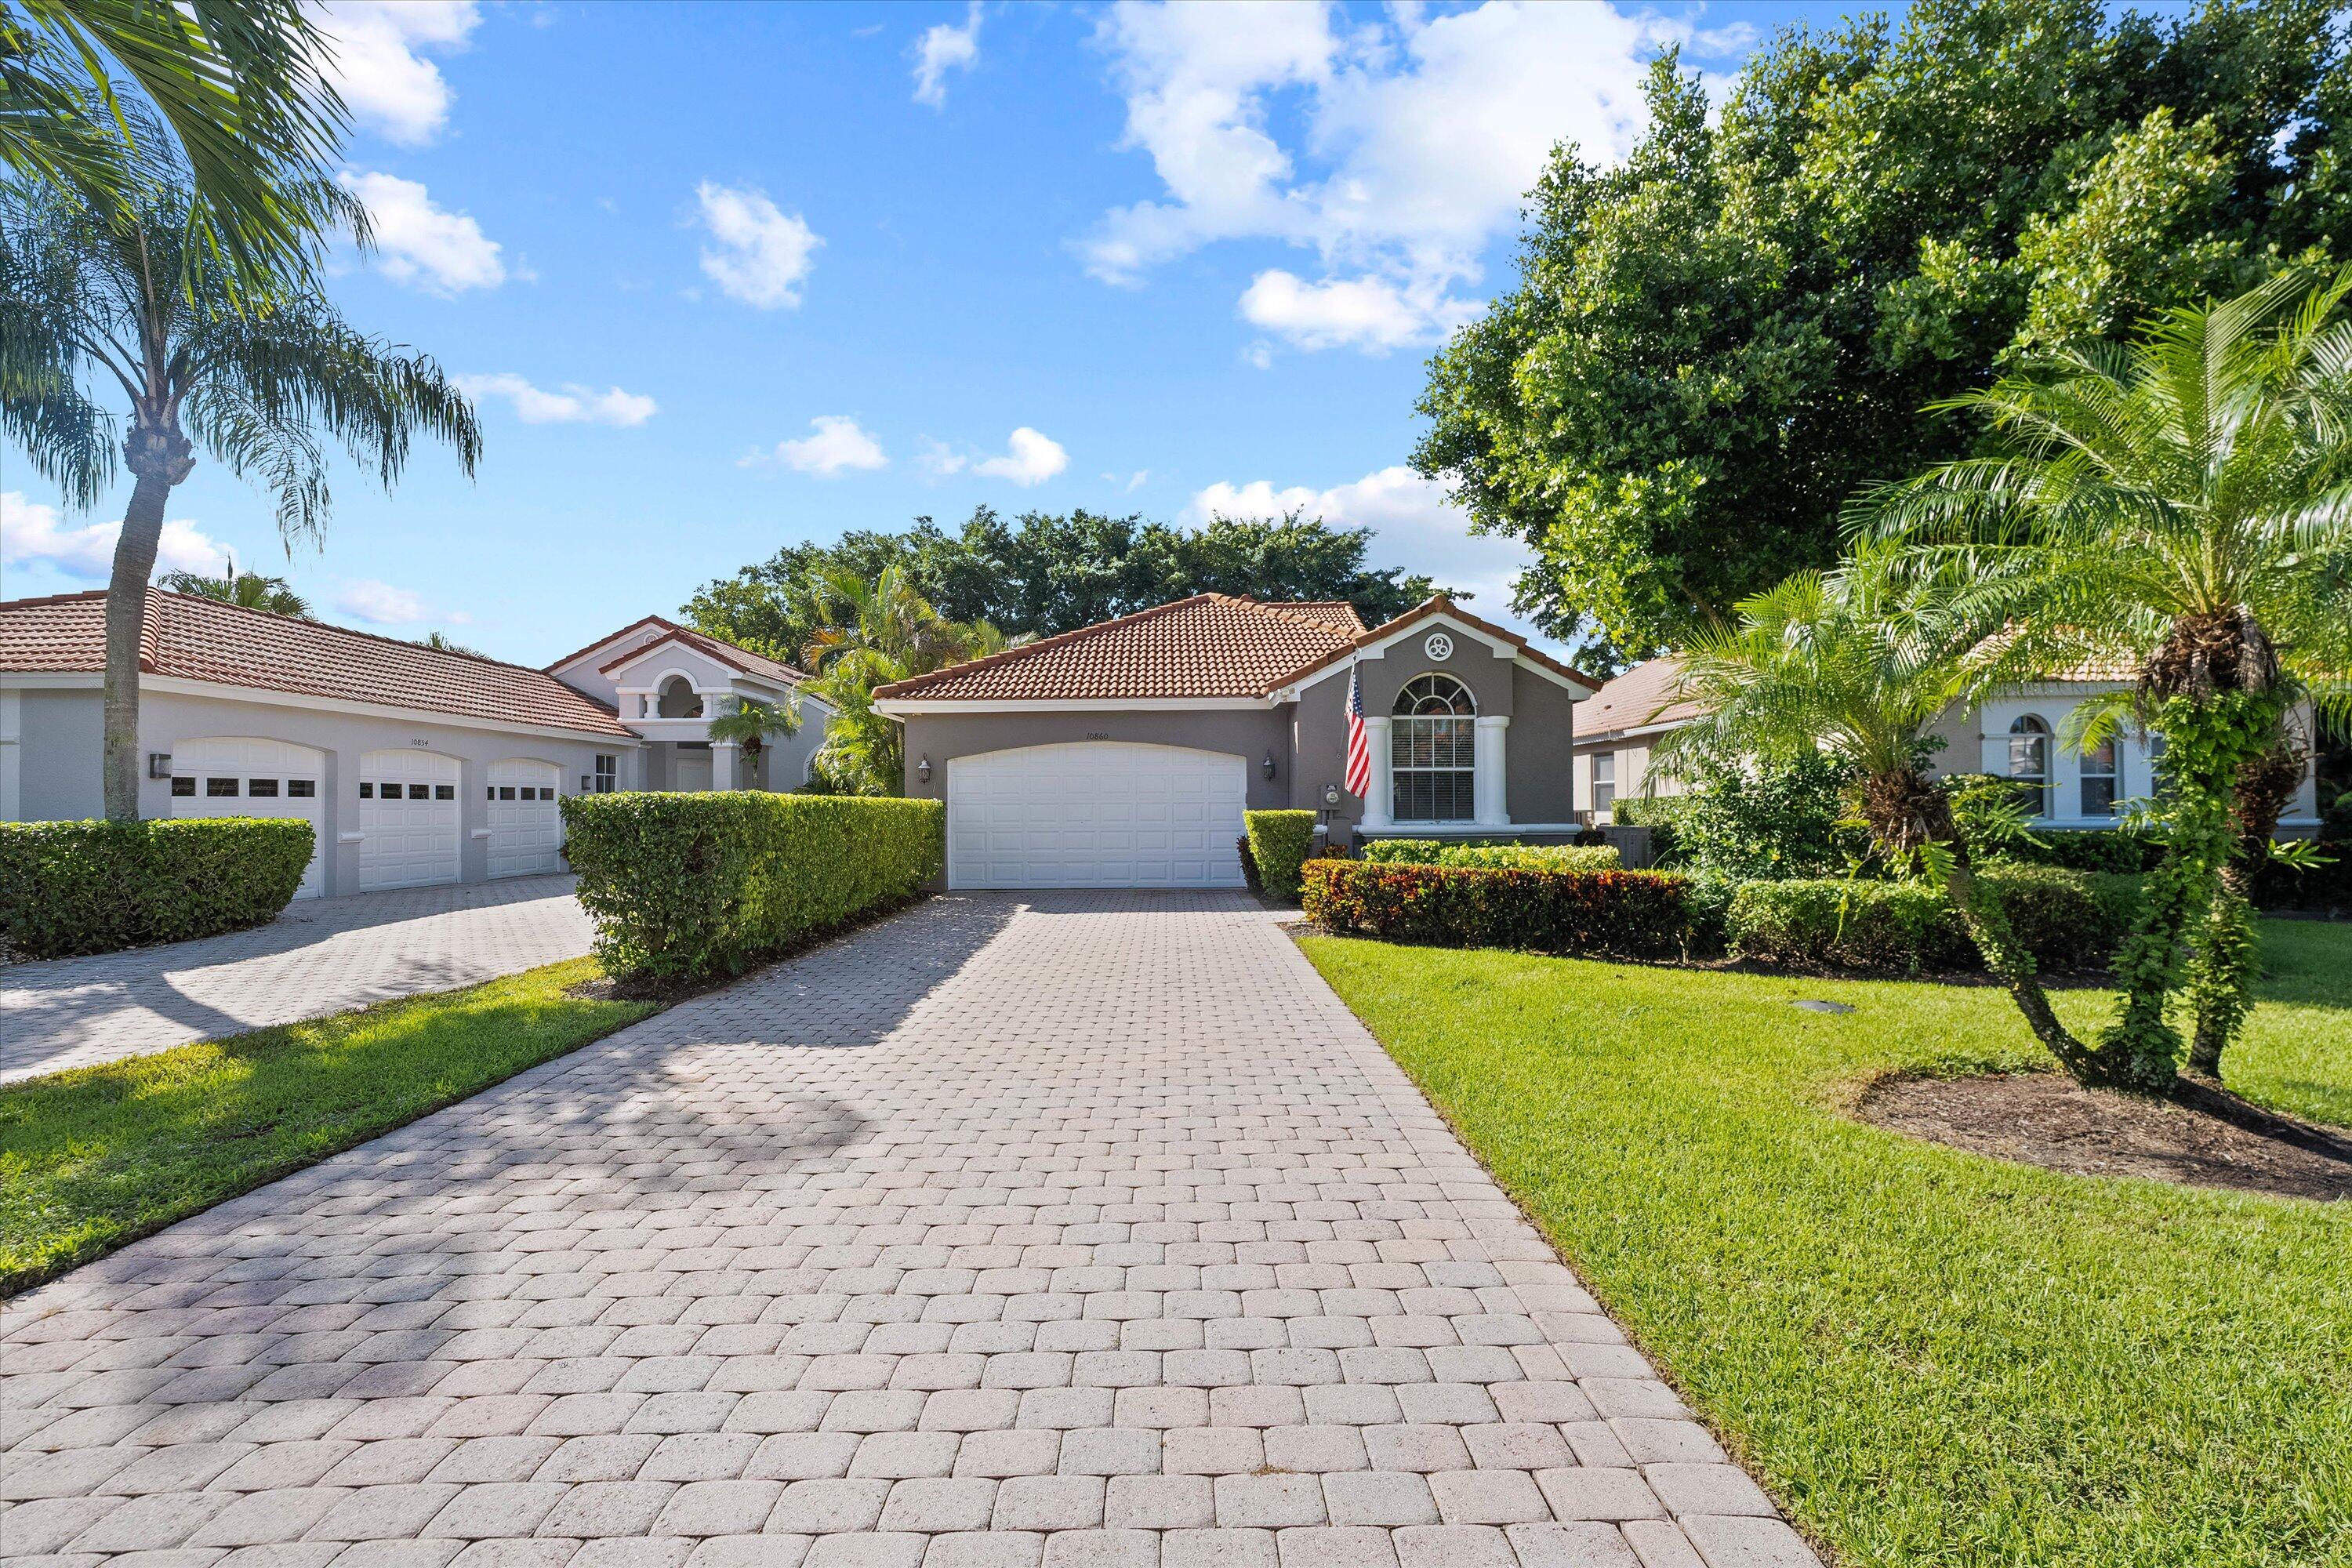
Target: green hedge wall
[69,888]
[1632,913]
[700,887]
[1506,857]
[2070,921]
[1279,842]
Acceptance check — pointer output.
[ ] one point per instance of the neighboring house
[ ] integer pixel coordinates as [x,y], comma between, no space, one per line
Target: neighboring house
[1123,754]
[415,765]
[2018,734]
[666,682]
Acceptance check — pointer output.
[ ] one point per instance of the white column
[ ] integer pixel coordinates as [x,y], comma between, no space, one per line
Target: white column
[1487,781]
[1376,797]
[724,770]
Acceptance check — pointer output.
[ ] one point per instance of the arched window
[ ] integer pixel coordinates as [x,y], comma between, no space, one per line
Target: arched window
[678,699]
[2029,762]
[1433,742]
[2098,796]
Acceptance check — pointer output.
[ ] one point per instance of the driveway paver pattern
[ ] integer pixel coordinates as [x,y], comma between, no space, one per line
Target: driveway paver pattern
[322,955]
[1059,1231]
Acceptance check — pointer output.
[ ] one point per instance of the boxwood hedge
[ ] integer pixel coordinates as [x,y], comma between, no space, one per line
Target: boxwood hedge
[699,887]
[1509,856]
[2070,919]
[1632,913]
[69,888]
[1278,843]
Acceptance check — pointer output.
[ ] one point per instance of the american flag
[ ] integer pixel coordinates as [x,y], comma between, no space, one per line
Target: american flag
[1359,749]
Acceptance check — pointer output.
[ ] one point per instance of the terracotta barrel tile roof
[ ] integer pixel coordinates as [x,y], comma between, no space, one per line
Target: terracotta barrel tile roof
[202,639]
[1210,645]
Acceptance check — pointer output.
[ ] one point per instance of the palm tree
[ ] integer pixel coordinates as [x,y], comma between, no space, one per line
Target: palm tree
[748,724]
[877,632]
[1860,664]
[238,95]
[91,292]
[2186,502]
[442,642]
[250,590]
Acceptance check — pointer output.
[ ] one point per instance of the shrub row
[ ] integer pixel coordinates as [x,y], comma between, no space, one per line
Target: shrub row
[1632,914]
[1275,844]
[700,887]
[1505,857]
[2069,919]
[69,888]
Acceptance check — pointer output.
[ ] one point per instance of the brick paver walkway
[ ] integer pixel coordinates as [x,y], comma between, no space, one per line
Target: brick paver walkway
[322,955]
[1084,1229]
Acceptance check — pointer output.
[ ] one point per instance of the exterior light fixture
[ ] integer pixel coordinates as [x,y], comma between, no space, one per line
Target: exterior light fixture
[1266,767]
[923,768]
[159,764]
[583,784]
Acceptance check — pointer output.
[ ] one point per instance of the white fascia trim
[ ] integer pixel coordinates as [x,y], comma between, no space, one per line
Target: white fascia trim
[910,707]
[1577,690]
[177,685]
[1636,732]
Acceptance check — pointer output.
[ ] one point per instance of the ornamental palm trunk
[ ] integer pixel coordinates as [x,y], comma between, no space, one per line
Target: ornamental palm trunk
[2221,972]
[161,456]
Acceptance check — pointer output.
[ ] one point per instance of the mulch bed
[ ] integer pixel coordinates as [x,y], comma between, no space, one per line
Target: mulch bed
[2203,1137]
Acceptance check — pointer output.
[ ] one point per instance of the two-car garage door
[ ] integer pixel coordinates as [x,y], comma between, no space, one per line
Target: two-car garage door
[1095,813]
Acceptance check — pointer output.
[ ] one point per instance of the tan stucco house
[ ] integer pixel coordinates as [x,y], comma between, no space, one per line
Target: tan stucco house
[1124,753]
[414,765]
[2019,733]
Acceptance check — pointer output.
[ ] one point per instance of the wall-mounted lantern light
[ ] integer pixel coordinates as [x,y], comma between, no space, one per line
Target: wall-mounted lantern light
[923,768]
[1266,767]
[585,783]
[159,764]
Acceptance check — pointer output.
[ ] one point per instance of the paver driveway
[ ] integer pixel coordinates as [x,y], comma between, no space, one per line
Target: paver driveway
[1074,1229]
[322,955]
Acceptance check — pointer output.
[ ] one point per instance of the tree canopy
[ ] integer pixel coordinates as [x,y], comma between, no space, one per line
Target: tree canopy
[1041,573]
[1713,345]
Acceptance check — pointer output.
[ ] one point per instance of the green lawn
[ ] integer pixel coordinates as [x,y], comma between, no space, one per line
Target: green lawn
[1928,1356]
[98,1157]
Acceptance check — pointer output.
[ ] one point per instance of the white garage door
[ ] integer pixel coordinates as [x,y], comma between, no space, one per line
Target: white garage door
[1095,813]
[525,829]
[408,819]
[240,776]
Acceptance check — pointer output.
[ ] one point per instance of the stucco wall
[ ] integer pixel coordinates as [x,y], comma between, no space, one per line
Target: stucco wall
[1540,750]
[59,766]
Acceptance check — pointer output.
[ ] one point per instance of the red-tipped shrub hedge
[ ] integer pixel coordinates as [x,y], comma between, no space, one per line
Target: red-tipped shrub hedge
[1635,914]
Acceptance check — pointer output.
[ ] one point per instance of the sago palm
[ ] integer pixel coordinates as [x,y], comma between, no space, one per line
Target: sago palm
[2184,504]
[102,301]
[1860,664]
[249,590]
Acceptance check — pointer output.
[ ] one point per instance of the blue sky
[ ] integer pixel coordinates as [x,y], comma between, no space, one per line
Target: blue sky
[727,277]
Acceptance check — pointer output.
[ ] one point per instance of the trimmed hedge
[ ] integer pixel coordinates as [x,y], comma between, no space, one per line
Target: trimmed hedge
[1508,857]
[1278,843]
[2069,919]
[68,887]
[1633,914]
[700,887]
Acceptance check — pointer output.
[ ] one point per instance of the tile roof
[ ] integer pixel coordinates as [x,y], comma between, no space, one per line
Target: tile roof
[726,653]
[1440,605]
[203,639]
[1631,700]
[1210,645]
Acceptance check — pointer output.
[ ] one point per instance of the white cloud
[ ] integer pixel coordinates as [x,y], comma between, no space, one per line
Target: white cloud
[379,69]
[941,49]
[383,604]
[839,445]
[575,404]
[1031,458]
[1415,141]
[763,253]
[1372,314]
[419,243]
[1417,528]
[32,532]
[1134,481]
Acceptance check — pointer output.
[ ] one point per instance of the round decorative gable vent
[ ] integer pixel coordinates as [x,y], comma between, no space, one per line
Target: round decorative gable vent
[1439,646]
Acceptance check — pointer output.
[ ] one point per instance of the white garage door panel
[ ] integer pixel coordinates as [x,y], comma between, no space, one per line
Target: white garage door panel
[409,815]
[247,776]
[1097,814]
[526,828]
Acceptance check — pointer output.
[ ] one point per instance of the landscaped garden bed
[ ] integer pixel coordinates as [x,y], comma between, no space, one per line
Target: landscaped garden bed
[1928,1356]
